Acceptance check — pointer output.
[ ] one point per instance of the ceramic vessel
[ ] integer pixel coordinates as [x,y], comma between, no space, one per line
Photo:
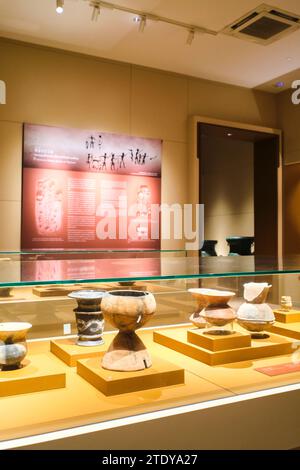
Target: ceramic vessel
[255,315]
[213,310]
[197,317]
[5,291]
[209,248]
[127,310]
[286,303]
[89,318]
[240,246]
[13,347]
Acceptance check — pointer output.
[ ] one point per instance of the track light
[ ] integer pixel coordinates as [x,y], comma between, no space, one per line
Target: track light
[59,6]
[190,37]
[96,11]
[142,24]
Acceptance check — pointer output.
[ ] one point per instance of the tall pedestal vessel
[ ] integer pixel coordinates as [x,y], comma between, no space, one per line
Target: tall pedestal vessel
[213,310]
[89,318]
[127,310]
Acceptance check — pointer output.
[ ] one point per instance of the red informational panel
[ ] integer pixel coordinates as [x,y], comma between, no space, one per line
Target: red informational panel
[85,189]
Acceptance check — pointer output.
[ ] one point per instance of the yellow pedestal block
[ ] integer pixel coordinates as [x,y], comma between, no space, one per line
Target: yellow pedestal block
[292,330]
[218,343]
[160,374]
[287,317]
[69,352]
[38,373]
[176,339]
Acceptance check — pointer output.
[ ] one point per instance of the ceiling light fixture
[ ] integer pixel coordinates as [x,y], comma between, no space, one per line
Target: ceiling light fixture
[229,134]
[191,37]
[59,6]
[142,24]
[96,11]
[142,17]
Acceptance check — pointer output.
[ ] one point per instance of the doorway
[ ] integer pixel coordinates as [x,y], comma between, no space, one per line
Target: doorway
[239,183]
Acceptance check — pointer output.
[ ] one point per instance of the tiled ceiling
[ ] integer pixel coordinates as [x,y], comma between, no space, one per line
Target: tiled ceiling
[116,36]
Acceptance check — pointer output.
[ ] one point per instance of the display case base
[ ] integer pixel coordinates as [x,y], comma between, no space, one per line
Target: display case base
[39,373]
[218,343]
[161,374]
[69,352]
[176,339]
[287,317]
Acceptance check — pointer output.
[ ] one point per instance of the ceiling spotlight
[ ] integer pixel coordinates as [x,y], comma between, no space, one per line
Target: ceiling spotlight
[142,24]
[59,6]
[229,134]
[190,37]
[96,11]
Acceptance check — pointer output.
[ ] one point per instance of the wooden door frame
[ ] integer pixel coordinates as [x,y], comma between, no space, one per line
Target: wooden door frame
[193,163]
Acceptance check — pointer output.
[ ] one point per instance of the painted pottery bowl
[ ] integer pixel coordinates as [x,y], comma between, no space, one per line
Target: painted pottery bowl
[128,310]
[13,348]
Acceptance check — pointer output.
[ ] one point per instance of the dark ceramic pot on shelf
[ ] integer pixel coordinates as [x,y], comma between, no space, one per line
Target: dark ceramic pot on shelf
[240,246]
[89,318]
[209,248]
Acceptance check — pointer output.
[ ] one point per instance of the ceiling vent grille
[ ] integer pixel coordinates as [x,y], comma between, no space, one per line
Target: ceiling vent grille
[264,25]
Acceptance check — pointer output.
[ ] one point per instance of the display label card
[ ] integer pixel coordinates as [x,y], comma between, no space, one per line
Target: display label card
[279,369]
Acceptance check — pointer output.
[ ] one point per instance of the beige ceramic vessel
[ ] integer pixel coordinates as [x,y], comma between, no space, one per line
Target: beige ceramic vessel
[13,348]
[213,309]
[127,310]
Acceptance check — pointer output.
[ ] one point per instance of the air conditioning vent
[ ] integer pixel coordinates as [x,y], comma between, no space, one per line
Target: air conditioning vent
[264,25]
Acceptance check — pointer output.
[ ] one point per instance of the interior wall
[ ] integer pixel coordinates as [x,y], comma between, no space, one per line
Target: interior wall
[289,121]
[59,88]
[228,189]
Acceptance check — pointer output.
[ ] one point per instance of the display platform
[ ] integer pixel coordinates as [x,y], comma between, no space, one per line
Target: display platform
[69,352]
[39,373]
[56,290]
[292,330]
[161,374]
[177,339]
[218,343]
[292,316]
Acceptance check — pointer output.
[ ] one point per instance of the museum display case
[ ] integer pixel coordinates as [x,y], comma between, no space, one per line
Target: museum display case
[91,337]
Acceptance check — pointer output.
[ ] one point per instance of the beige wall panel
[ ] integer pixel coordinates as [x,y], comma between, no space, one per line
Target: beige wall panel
[231,103]
[222,226]
[57,88]
[159,105]
[227,177]
[10,161]
[10,223]
[292,156]
[174,185]
[289,120]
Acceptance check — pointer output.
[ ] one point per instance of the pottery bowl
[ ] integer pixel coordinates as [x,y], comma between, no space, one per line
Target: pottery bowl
[88,299]
[220,317]
[13,332]
[255,326]
[128,310]
[207,297]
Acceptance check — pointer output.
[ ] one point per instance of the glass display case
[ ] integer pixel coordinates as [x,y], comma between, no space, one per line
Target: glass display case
[91,337]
